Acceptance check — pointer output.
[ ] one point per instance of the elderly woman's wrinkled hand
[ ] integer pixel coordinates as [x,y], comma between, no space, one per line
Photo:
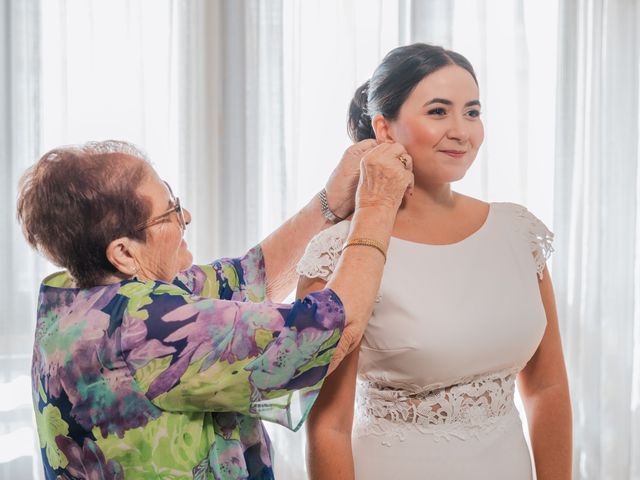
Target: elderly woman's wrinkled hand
[343,182]
[386,175]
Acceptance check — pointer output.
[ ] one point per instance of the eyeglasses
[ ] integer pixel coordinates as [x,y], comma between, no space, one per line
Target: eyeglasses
[177,208]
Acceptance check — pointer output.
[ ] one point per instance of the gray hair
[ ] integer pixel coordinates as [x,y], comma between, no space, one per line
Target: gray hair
[102,148]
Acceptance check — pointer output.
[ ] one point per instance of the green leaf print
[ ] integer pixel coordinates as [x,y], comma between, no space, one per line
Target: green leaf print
[139,295]
[50,425]
[319,361]
[168,447]
[211,286]
[333,340]
[221,387]
[231,275]
[60,279]
[168,289]
[43,396]
[147,374]
[263,337]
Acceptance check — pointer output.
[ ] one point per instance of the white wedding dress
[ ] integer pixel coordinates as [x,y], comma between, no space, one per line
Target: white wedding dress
[451,328]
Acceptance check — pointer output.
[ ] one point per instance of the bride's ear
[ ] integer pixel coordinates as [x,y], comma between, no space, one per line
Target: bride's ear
[382,130]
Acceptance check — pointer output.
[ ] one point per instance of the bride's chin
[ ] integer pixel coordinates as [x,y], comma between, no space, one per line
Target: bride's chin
[457,178]
[455,175]
[442,174]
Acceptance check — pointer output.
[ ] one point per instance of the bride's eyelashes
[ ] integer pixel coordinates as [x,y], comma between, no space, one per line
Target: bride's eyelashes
[441,112]
[437,112]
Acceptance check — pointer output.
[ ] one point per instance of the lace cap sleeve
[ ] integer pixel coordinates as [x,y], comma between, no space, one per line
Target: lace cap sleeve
[322,253]
[539,237]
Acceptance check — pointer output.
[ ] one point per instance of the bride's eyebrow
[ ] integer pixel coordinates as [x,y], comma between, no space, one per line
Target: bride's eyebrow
[444,101]
[438,100]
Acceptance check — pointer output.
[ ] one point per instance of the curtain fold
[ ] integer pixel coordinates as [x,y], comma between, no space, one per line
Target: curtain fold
[231,122]
[598,246]
[19,145]
[201,122]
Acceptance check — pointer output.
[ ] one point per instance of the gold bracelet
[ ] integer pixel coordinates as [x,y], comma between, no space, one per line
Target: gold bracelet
[367,242]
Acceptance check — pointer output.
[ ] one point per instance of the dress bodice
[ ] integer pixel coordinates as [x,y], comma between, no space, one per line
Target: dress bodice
[447,313]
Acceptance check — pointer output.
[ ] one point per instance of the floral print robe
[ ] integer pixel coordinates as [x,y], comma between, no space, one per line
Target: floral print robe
[149,380]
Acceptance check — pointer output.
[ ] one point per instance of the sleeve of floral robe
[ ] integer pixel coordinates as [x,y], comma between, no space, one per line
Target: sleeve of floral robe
[193,352]
[241,279]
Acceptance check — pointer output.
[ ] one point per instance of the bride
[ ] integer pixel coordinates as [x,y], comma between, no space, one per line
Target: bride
[465,308]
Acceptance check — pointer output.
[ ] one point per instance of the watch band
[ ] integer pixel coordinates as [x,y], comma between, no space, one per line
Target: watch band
[326,211]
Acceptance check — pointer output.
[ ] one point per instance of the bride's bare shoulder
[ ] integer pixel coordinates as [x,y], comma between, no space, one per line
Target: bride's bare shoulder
[472,205]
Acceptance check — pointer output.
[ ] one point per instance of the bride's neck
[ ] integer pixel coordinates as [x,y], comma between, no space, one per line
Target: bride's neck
[430,198]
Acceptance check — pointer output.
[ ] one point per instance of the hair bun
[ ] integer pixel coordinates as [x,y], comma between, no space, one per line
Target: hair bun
[359,122]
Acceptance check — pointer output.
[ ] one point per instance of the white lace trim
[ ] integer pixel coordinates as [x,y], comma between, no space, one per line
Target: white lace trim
[323,252]
[540,238]
[465,410]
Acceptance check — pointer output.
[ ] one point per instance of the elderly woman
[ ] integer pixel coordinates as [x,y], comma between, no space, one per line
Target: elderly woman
[146,367]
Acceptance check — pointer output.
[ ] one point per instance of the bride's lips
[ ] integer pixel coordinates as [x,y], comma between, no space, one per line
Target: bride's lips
[454,153]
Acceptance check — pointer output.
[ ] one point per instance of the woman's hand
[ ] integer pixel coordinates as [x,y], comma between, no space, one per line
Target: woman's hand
[343,182]
[386,175]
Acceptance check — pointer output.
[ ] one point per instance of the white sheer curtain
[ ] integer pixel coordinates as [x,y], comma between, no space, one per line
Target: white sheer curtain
[231,121]
[19,145]
[201,120]
[330,48]
[108,71]
[597,273]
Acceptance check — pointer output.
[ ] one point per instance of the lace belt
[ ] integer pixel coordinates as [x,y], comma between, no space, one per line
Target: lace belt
[464,410]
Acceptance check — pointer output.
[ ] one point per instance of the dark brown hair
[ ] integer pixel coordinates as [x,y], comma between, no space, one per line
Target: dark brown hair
[393,81]
[76,200]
